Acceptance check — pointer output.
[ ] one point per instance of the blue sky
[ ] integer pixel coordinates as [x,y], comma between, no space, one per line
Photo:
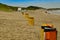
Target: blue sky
[40,3]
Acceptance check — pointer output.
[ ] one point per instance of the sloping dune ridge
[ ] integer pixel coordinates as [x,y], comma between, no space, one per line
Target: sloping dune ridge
[13,25]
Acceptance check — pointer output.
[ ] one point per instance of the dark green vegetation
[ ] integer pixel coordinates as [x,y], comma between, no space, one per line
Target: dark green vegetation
[33,8]
[4,7]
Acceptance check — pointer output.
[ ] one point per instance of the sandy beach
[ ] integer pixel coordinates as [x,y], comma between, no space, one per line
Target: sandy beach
[13,25]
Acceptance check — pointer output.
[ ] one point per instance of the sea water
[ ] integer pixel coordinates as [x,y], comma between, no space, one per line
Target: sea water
[57,12]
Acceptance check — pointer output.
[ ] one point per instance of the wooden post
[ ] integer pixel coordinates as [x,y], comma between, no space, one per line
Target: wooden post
[42,34]
[31,21]
[22,13]
[26,16]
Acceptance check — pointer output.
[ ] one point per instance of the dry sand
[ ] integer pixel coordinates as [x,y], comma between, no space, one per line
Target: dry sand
[13,25]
